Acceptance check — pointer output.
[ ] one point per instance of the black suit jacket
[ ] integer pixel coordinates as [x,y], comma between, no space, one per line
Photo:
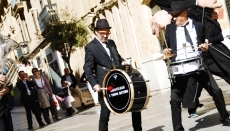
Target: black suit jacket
[73,78]
[22,87]
[96,57]
[171,36]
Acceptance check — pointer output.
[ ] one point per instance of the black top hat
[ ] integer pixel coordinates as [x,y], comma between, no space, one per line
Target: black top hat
[178,6]
[102,24]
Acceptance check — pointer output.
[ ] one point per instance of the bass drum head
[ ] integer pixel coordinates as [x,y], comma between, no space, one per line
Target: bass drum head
[118,95]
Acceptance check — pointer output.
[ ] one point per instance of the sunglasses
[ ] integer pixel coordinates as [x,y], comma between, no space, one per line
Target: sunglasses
[35,71]
[176,15]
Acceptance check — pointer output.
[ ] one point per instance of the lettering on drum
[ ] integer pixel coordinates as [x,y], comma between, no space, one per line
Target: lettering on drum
[118,91]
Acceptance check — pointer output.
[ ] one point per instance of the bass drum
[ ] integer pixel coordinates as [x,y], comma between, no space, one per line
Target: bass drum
[126,91]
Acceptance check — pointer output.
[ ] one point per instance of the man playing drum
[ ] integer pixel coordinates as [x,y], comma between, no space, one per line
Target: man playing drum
[100,56]
[184,37]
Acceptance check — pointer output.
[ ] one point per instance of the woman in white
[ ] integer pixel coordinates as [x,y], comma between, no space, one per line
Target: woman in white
[68,98]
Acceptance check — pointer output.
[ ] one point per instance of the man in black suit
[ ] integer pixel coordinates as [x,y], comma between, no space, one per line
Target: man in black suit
[29,99]
[185,32]
[68,76]
[100,56]
[5,107]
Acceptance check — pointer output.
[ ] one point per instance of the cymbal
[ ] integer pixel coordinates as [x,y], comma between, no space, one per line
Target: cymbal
[165,57]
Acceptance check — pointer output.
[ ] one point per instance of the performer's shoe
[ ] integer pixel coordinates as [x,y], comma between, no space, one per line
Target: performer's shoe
[226,122]
[193,115]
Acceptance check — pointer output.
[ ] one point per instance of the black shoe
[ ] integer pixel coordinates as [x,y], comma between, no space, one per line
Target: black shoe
[41,125]
[69,114]
[226,122]
[58,118]
[30,128]
[73,110]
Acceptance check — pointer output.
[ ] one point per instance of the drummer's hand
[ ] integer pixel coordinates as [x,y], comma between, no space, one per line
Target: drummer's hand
[124,63]
[2,79]
[4,90]
[97,88]
[167,51]
[204,47]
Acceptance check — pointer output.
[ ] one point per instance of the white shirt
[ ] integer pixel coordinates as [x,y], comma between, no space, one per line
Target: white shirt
[104,45]
[27,88]
[185,53]
[68,78]
[40,82]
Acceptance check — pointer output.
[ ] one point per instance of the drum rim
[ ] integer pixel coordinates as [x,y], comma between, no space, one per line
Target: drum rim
[185,61]
[148,92]
[131,91]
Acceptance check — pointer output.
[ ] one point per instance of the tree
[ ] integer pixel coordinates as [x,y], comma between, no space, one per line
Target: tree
[66,35]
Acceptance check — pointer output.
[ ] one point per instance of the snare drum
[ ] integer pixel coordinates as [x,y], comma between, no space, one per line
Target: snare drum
[126,91]
[185,67]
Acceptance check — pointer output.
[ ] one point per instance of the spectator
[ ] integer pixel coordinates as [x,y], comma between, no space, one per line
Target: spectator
[73,87]
[45,92]
[68,98]
[29,100]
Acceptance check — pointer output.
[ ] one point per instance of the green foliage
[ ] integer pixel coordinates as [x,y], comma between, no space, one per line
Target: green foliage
[69,31]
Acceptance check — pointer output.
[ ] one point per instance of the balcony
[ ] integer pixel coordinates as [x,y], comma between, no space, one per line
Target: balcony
[23,50]
[17,7]
[48,15]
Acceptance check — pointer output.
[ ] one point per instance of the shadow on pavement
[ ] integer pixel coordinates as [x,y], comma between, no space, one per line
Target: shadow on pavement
[207,121]
[159,128]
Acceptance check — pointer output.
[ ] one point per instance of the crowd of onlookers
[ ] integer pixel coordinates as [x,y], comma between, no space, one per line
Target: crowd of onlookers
[37,96]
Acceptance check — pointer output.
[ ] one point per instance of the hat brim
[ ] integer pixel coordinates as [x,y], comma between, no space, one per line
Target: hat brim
[176,11]
[96,28]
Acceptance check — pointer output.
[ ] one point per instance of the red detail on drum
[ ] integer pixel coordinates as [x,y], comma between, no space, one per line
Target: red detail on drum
[109,88]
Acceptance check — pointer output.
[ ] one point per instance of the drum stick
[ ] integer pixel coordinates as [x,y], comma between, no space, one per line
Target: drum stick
[192,48]
[103,89]
[200,47]
[162,31]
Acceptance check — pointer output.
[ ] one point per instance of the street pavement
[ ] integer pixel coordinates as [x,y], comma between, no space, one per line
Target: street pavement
[157,116]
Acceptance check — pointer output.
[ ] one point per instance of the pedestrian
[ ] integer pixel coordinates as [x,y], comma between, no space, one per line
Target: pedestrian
[185,32]
[74,88]
[45,93]
[29,100]
[101,55]
[68,98]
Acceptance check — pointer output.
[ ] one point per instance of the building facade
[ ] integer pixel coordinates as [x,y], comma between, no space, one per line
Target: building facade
[22,20]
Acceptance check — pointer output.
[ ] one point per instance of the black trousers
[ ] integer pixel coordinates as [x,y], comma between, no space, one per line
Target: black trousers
[32,106]
[177,92]
[105,113]
[195,93]
[5,118]
[218,71]
[45,112]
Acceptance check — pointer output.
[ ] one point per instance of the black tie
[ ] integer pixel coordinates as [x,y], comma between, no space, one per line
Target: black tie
[112,56]
[187,36]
